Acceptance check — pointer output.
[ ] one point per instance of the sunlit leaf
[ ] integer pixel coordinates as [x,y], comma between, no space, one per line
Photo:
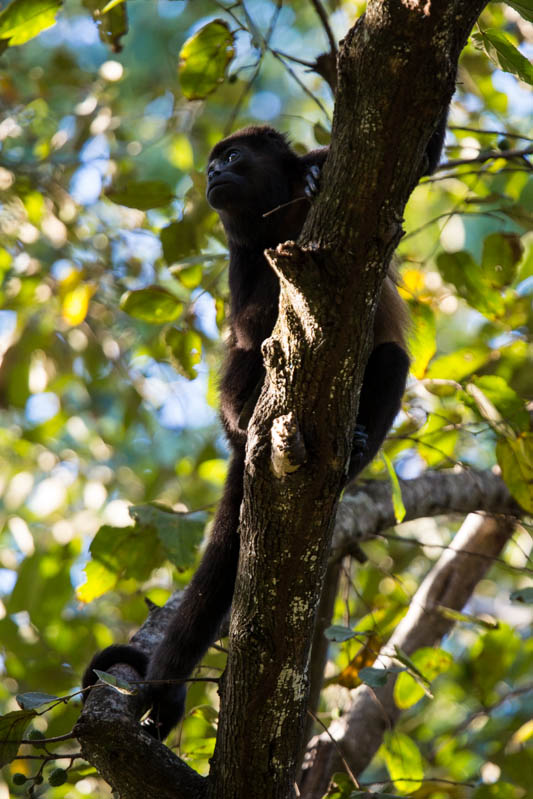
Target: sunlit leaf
[24,19]
[214,470]
[397,500]
[152,304]
[504,54]
[204,58]
[458,364]
[143,194]
[422,337]
[350,676]
[456,615]
[12,728]
[189,276]
[75,304]
[117,551]
[523,734]
[111,4]
[508,405]
[430,663]
[515,457]
[403,760]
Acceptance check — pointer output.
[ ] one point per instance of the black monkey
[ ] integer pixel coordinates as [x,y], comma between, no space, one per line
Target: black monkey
[249,174]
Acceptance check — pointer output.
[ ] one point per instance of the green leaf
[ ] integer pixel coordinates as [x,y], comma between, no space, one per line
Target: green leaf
[460,269]
[459,364]
[430,663]
[403,760]
[503,398]
[397,500]
[111,4]
[179,534]
[422,337]
[515,457]
[322,135]
[188,276]
[375,678]
[338,633]
[34,699]
[24,19]
[117,551]
[503,53]
[501,255]
[204,58]
[143,194]
[152,304]
[456,615]
[120,685]
[179,240]
[111,20]
[12,728]
[524,8]
[523,595]
[185,350]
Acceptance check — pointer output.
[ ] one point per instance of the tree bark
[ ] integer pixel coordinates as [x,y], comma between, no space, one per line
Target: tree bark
[330,282]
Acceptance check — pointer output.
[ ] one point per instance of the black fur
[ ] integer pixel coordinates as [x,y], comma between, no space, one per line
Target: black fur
[251,173]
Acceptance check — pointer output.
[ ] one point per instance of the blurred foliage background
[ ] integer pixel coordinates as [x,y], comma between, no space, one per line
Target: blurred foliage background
[113,291]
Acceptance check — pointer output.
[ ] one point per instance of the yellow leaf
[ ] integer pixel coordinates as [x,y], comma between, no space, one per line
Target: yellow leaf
[412,283]
[523,734]
[76,304]
[349,676]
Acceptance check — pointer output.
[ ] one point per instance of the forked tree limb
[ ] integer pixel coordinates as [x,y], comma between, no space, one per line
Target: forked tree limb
[449,584]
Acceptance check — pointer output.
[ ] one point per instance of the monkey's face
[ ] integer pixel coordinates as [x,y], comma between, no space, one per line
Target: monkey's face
[242,180]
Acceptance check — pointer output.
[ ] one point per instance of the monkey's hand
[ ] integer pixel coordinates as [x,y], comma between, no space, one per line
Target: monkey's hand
[312,182]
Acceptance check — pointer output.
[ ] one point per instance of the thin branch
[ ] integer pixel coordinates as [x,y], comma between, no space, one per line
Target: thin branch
[321,11]
[488,155]
[334,742]
[302,85]
[503,133]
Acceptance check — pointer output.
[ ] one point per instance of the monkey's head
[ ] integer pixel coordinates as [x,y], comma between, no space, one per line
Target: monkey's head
[249,173]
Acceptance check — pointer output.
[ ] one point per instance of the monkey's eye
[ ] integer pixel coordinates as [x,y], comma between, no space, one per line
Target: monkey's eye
[231,156]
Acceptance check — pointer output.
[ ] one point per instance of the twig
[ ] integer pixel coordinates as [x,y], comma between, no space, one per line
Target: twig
[503,133]
[488,155]
[321,11]
[335,744]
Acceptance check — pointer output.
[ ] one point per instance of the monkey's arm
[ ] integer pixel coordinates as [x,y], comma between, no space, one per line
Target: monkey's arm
[380,400]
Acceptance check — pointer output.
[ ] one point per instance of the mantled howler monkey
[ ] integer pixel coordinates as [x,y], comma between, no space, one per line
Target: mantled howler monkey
[249,174]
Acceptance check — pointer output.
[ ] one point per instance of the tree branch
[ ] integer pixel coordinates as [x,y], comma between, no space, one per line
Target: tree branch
[449,584]
[366,510]
[111,739]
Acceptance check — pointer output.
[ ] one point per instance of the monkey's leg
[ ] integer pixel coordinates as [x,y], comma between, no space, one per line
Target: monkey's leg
[380,400]
[205,603]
